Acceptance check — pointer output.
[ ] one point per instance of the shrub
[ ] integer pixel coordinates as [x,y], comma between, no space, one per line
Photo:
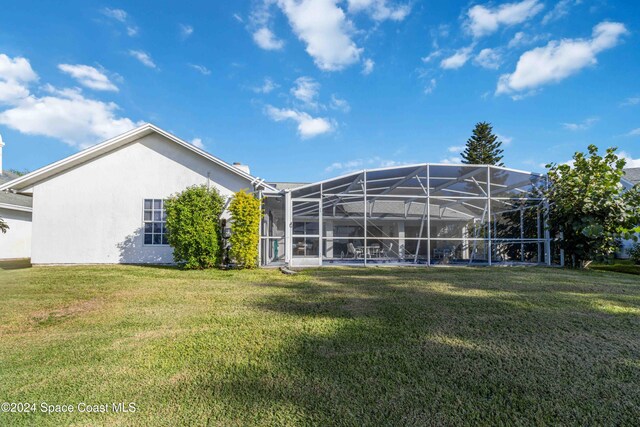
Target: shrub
[245,229]
[193,226]
[590,206]
[3,226]
[634,253]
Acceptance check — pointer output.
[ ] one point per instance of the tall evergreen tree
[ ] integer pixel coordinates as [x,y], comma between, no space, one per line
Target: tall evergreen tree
[483,148]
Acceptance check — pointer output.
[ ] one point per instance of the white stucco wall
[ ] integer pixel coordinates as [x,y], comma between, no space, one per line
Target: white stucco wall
[16,242]
[94,212]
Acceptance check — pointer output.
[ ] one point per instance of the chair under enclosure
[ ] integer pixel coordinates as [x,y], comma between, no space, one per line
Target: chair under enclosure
[427,214]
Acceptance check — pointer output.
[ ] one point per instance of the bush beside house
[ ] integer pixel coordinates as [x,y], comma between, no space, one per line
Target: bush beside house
[193,226]
[245,229]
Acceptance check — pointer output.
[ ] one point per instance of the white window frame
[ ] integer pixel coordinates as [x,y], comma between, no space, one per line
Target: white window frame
[152,221]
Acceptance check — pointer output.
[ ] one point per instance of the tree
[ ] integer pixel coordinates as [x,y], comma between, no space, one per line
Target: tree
[17,172]
[193,226]
[3,226]
[589,205]
[245,229]
[483,148]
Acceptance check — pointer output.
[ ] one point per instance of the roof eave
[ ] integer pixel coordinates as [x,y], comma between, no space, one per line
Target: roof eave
[52,169]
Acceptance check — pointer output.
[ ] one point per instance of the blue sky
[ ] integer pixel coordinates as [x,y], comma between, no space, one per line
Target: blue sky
[305,90]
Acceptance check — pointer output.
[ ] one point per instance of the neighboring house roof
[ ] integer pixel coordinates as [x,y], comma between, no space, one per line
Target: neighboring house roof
[632,175]
[11,200]
[286,185]
[27,181]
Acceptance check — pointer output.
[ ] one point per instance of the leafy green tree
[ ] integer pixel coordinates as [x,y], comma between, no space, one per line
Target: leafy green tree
[483,148]
[245,229]
[19,172]
[3,226]
[589,205]
[193,226]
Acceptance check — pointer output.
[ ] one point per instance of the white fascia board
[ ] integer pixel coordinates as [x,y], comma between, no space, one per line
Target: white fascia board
[15,207]
[28,180]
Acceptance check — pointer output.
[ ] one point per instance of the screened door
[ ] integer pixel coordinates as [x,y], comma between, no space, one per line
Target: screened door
[306,232]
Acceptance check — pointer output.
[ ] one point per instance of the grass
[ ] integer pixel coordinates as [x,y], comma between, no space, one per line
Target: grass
[618,266]
[376,346]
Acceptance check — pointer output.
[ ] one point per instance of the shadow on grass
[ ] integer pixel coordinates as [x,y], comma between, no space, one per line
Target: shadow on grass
[15,264]
[405,347]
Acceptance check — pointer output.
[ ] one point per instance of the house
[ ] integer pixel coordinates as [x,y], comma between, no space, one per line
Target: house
[105,205]
[15,210]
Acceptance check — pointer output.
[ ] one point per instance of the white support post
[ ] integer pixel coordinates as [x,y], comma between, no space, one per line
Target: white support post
[364,212]
[320,225]
[401,241]
[521,234]
[260,240]
[489,210]
[428,215]
[539,234]
[547,235]
[288,228]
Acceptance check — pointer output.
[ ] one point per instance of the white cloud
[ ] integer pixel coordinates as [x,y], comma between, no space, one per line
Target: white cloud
[634,100]
[433,55]
[560,10]
[123,17]
[340,104]
[198,143]
[308,127]
[265,38]
[325,29]
[185,31]
[488,58]
[631,162]
[560,59]
[483,21]
[267,87]
[88,76]
[64,114]
[506,140]
[455,149]
[201,69]
[238,18]
[367,66]
[379,10]
[117,14]
[457,60]
[522,39]
[15,75]
[358,164]
[634,132]
[584,125]
[451,160]
[306,90]
[430,87]
[143,57]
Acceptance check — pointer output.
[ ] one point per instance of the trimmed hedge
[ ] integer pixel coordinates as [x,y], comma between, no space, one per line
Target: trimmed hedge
[193,226]
[245,229]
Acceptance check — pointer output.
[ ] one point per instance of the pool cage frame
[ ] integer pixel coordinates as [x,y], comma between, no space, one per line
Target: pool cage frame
[423,214]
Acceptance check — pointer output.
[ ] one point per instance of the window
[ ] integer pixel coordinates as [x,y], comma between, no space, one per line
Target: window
[155,229]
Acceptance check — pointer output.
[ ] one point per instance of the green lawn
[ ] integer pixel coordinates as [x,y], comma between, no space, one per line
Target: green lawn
[618,265]
[373,346]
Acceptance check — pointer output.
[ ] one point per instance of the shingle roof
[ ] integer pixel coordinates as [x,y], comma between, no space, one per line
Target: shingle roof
[632,175]
[10,198]
[286,185]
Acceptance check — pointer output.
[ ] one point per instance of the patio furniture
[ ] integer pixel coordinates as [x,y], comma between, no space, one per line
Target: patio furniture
[353,251]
